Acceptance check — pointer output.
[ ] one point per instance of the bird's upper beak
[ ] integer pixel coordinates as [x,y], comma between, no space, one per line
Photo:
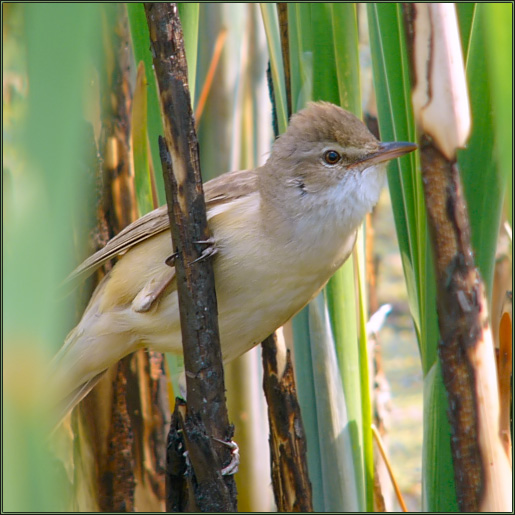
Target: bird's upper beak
[386,152]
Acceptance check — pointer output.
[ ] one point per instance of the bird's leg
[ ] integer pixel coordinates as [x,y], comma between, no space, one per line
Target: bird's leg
[151,292]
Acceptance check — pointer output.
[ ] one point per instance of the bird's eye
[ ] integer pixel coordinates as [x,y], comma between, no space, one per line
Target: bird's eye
[331,157]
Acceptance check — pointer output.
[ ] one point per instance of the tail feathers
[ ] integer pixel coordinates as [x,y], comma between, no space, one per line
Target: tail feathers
[102,337]
[71,400]
[88,352]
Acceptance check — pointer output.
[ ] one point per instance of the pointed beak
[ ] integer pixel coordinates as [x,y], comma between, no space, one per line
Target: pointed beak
[386,152]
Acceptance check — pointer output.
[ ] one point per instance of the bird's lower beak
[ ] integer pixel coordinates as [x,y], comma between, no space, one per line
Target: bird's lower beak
[387,151]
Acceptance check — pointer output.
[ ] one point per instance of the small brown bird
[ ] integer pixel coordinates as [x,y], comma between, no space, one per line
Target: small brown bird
[280,231]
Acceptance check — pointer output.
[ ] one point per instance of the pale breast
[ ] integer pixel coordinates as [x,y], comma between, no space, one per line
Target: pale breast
[263,277]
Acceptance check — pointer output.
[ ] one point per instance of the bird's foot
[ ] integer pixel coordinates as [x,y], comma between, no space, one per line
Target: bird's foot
[170,260]
[209,251]
[232,468]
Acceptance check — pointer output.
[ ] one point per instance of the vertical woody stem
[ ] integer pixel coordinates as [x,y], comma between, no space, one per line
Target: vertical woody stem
[481,468]
[290,479]
[205,416]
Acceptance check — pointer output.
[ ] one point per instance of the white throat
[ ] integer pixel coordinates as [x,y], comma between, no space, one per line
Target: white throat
[337,212]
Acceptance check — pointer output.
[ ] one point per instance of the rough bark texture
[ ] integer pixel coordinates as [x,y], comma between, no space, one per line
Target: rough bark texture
[292,487]
[206,414]
[465,347]
[116,468]
[118,479]
[282,12]
[121,422]
[462,316]
[176,469]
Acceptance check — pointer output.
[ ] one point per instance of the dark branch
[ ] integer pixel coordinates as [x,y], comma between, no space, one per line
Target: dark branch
[282,12]
[461,316]
[460,300]
[206,414]
[292,487]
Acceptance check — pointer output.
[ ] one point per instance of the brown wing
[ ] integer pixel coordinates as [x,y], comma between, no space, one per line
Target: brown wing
[219,190]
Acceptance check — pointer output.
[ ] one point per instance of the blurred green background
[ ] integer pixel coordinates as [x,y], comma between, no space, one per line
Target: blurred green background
[54,56]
